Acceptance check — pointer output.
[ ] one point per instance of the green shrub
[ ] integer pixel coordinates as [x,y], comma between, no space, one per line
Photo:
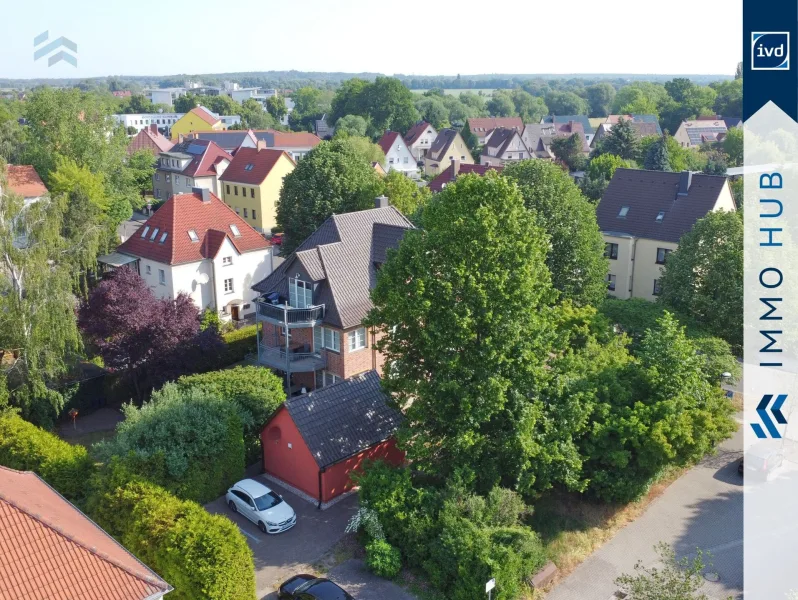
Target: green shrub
[25,447]
[185,440]
[203,556]
[383,559]
[240,342]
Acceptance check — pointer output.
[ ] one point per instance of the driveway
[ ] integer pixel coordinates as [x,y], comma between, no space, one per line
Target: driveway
[356,579]
[703,509]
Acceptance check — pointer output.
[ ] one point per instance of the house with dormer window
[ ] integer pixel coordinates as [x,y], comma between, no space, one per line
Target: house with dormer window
[187,165]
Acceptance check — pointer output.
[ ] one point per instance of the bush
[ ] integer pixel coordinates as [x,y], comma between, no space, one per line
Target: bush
[25,447]
[383,559]
[188,441]
[239,343]
[203,556]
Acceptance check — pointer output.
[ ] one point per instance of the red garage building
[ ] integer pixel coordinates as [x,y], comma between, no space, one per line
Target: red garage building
[313,442]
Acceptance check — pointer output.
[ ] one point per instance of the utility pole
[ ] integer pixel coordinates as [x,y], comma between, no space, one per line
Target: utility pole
[287,356]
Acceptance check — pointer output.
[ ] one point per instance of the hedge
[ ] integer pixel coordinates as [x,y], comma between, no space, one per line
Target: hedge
[240,342]
[25,447]
[203,556]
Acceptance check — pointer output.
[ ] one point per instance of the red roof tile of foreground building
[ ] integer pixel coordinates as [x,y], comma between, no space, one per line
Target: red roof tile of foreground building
[24,181]
[165,237]
[51,550]
[204,114]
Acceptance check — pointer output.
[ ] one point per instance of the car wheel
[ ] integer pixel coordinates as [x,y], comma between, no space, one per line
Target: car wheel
[262,526]
[233,506]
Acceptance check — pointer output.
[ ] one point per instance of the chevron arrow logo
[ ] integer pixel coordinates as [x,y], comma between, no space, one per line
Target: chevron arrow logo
[61,42]
[764,416]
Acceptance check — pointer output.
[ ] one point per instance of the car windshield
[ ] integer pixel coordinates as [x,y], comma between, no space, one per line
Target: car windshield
[267,501]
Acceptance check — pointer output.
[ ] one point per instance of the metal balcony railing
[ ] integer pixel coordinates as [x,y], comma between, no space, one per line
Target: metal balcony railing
[297,362]
[280,314]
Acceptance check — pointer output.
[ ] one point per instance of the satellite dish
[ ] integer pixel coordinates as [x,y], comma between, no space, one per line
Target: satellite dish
[203,278]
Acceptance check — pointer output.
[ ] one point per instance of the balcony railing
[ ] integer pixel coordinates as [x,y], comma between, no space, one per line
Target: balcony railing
[298,362]
[281,315]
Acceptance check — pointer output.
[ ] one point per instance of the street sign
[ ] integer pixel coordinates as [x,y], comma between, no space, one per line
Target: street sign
[490,585]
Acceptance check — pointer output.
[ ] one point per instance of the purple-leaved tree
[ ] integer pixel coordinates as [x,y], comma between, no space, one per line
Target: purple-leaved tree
[151,340]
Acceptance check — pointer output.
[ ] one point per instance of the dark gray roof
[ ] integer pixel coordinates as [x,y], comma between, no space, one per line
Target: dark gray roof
[228,140]
[647,193]
[341,420]
[583,119]
[340,256]
[444,139]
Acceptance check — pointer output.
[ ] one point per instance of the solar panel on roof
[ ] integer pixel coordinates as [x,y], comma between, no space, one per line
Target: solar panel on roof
[195,149]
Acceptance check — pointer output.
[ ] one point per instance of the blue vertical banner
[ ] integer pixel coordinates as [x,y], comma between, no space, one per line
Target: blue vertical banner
[770,69]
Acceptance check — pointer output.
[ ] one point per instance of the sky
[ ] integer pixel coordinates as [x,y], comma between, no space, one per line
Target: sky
[167,37]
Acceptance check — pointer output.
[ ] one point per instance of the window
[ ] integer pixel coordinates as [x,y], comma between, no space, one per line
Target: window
[238,211]
[657,287]
[163,237]
[251,192]
[357,339]
[254,216]
[300,293]
[192,235]
[249,167]
[177,179]
[227,260]
[323,337]
[149,269]
[158,192]
[660,216]
[154,234]
[662,255]
[161,276]
[228,188]
[611,251]
[144,233]
[168,178]
[611,282]
[246,213]
[330,378]
[405,161]
[157,176]
[228,286]
[235,190]
[234,228]
[623,212]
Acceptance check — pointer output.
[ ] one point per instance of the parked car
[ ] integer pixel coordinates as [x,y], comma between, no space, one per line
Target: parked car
[277,239]
[261,505]
[310,587]
[761,460]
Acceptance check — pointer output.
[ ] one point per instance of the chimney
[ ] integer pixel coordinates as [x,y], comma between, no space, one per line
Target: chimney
[153,128]
[203,193]
[455,167]
[381,202]
[685,180]
[261,145]
[179,138]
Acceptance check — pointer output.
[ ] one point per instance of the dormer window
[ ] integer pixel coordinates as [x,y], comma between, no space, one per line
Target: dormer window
[623,212]
[300,293]
[660,216]
[192,235]
[154,234]
[144,233]
[234,229]
[163,237]
[249,167]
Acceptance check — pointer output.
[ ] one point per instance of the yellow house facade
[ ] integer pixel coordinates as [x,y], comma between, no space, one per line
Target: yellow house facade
[197,119]
[252,183]
[447,148]
[643,215]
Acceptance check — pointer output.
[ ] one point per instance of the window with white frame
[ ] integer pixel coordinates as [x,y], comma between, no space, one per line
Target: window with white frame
[330,378]
[149,269]
[161,276]
[357,339]
[228,286]
[324,337]
[227,260]
[300,293]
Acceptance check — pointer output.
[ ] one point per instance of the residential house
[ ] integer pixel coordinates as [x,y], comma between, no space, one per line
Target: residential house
[732,122]
[166,96]
[188,165]
[23,180]
[456,169]
[296,143]
[447,147]
[419,139]
[378,168]
[314,442]
[197,245]
[397,155]
[694,133]
[52,551]
[502,146]
[200,118]
[151,139]
[644,214]
[251,184]
[643,126]
[537,137]
[481,127]
[229,140]
[323,129]
[140,121]
[122,94]
[587,128]
[311,309]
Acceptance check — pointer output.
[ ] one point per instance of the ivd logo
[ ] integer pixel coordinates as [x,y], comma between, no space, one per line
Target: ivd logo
[770,51]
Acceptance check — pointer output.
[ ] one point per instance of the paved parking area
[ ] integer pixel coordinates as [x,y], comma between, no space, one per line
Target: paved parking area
[356,579]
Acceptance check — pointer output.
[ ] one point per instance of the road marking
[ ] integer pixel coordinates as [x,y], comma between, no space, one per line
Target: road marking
[249,535]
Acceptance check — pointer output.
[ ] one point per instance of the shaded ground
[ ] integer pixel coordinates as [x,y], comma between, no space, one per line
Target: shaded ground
[356,579]
[91,428]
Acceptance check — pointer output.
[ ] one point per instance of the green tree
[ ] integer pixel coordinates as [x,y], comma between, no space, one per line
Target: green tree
[640,97]
[222,104]
[676,579]
[501,105]
[717,163]
[141,166]
[621,141]
[733,146]
[575,254]
[729,99]
[530,108]
[276,107]
[389,105]
[657,157]
[566,103]
[605,165]
[332,178]
[570,151]
[433,111]
[600,97]
[349,100]
[307,108]
[703,278]
[365,148]
[184,104]
[351,125]
[464,306]
[404,193]
[469,138]
[12,142]
[475,102]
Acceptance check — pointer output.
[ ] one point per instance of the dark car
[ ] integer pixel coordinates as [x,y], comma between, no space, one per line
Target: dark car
[760,460]
[310,587]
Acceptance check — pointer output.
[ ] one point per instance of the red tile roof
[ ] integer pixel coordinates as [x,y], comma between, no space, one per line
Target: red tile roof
[415,132]
[204,114]
[49,550]
[204,164]
[387,140]
[482,125]
[262,161]
[147,139]
[447,175]
[25,181]
[182,213]
[291,139]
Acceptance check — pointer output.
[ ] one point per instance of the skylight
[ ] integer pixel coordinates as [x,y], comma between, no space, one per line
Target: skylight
[234,229]
[144,233]
[193,235]
[154,234]
[623,212]
[660,216]
[163,237]
[249,167]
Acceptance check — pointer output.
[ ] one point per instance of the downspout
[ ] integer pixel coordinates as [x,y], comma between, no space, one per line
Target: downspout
[373,350]
[213,287]
[321,489]
[632,278]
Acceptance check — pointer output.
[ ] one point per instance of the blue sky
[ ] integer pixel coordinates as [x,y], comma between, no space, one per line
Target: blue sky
[163,37]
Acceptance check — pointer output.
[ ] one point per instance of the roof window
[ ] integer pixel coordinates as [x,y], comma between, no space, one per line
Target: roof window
[144,233]
[660,216]
[623,212]
[249,167]
[163,237]
[234,229]
[154,234]
[193,235]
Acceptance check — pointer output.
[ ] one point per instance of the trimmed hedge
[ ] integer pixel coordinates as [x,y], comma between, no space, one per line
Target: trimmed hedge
[239,343]
[25,447]
[203,556]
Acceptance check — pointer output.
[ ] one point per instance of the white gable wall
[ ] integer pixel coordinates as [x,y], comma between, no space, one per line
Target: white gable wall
[399,158]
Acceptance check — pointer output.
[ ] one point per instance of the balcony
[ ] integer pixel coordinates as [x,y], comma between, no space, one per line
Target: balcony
[298,362]
[282,315]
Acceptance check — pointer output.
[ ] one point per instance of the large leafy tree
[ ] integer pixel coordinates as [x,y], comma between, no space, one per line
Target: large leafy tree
[703,278]
[600,97]
[351,125]
[349,99]
[729,99]
[530,108]
[599,173]
[575,255]
[385,104]
[465,308]
[404,193]
[333,178]
[570,151]
[276,107]
[621,141]
[733,146]
[501,105]
[307,107]
[566,103]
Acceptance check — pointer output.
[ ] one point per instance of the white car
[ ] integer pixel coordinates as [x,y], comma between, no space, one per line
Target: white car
[261,505]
